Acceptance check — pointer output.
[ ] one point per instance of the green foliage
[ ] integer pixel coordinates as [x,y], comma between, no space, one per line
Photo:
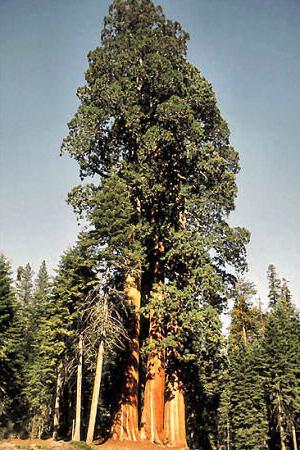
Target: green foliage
[204,377]
[274,285]
[12,358]
[245,323]
[247,409]
[24,285]
[282,365]
[56,334]
[7,303]
[243,415]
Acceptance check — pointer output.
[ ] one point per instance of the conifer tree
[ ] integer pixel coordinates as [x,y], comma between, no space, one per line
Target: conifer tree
[274,285]
[243,417]
[24,285]
[282,370]
[244,317]
[149,120]
[248,416]
[7,302]
[56,337]
[12,359]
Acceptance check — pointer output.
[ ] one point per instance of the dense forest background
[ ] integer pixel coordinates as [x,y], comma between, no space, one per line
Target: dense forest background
[126,339]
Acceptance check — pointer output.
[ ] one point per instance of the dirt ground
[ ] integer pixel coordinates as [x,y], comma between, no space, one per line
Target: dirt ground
[49,444]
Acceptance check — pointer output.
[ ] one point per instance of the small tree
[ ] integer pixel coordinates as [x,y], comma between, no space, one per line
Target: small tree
[274,285]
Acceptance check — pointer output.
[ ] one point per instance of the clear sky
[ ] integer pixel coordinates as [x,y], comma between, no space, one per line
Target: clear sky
[249,50]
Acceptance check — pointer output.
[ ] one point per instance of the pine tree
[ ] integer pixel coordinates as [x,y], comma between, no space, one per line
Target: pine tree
[148,120]
[24,290]
[24,285]
[274,285]
[56,337]
[244,317]
[248,416]
[7,302]
[11,356]
[282,363]
[243,418]
[204,365]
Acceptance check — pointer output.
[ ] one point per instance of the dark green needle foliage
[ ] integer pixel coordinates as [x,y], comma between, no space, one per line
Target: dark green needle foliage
[24,285]
[56,335]
[148,117]
[243,417]
[245,324]
[12,355]
[274,285]
[282,368]
[204,365]
[248,416]
[7,307]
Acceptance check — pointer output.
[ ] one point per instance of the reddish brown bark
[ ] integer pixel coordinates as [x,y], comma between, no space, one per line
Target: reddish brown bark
[174,423]
[125,425]
[152,423]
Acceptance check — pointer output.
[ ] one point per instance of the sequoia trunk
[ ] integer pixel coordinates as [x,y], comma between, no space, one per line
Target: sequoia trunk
[152,424]
[125,425]
[175,414]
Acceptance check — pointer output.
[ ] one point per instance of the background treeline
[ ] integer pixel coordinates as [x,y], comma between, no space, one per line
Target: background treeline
[243,388]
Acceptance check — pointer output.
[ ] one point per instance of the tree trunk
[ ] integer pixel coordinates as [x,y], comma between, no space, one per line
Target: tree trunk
[56,417]
[294,435]
[174,420]
[245,337]
[152,423]
[96,391]
[228,435]
[280,425]
[125,426]
[78,392]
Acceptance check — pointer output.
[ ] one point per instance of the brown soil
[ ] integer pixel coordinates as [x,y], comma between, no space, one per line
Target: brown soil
[49,444]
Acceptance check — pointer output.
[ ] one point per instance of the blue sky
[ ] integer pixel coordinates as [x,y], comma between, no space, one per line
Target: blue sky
[250,52]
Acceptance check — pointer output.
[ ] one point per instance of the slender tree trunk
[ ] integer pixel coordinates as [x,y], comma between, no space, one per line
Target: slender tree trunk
[78,392]
[245,337]
[95,396]
[125,425]
[56,417]
[73,429]
[280,424]
[261,319]
[228,435]
[294,436]
[174,419]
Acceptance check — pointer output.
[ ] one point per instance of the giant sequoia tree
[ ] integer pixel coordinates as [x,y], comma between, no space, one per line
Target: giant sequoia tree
[149,131]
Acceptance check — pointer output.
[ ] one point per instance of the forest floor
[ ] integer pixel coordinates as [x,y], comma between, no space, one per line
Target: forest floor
[49,444]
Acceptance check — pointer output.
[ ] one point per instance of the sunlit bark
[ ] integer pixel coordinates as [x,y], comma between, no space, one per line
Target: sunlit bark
[125,425]
[96,392]
[175,431]
[77,436]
